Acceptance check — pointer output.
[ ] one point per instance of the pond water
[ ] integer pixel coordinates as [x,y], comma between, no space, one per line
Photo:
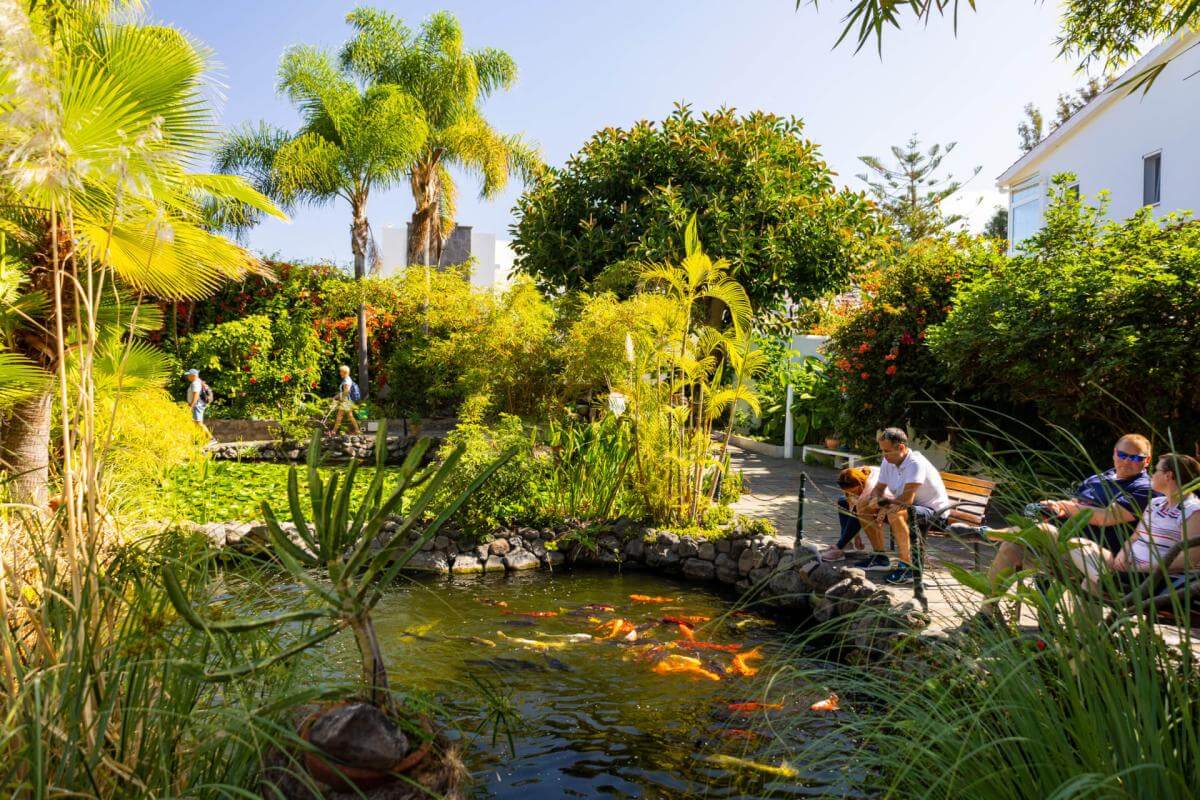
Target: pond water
[595,717]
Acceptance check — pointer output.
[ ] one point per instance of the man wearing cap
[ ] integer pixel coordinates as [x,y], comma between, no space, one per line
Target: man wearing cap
[195,396]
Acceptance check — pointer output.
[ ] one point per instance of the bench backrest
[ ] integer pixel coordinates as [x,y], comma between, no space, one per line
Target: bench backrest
[970,497]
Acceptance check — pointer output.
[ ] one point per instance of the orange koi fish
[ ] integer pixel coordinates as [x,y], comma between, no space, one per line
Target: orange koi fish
[828,704]
[721,648]
[599,607]
[674,663]
[693,619]
[487,601]
[645,598]
[680,621]
[746,707]
[741,664]
[686,632]
[617,627]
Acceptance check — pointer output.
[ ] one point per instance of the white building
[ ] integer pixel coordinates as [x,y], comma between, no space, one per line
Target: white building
[494,258]
[1143,147]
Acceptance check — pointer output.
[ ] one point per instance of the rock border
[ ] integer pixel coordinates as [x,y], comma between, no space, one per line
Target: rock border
[762,568]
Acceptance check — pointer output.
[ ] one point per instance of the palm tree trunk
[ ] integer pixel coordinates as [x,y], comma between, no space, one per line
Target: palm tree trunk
[26,451]
[359,234]
[425,236]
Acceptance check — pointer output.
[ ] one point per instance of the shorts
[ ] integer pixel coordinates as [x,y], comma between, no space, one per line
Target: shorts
[198,412]
[344,405]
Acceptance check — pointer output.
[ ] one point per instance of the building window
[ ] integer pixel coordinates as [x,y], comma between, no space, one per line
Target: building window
[1025,215]
[1152,179]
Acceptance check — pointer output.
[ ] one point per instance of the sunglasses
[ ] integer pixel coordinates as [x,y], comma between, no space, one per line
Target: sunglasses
[1137,459]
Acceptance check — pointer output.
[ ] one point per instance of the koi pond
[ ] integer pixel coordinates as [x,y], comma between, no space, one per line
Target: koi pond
[625,686]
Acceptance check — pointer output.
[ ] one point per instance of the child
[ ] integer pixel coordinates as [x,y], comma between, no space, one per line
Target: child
[855,483]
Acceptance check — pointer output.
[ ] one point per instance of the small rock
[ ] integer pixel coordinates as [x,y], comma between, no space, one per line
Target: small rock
[466,565]
[667,539]
[521,559]
[493,564]
[482,551]
[635,548]
[699,569]
[441,543]
[429,562]
[706,550]
[500,547]
[688,548]
[723,546]
[750,558]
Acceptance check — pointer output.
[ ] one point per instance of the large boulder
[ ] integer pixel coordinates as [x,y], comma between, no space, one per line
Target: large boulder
[466,565]
[359,734]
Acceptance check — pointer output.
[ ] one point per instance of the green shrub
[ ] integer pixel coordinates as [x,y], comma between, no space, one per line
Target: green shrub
[881,371]
[514,495]
[1095,326]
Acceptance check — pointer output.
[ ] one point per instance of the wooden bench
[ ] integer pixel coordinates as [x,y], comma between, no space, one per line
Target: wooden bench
[969,499]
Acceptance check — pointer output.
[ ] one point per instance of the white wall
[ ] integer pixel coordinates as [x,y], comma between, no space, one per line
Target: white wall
[1106,152]
[493,258]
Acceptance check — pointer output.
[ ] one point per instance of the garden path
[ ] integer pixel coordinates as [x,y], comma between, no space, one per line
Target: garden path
[771,487]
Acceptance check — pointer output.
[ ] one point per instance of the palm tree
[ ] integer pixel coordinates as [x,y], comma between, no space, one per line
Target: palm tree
[100,121]
[449,84]
[352,140]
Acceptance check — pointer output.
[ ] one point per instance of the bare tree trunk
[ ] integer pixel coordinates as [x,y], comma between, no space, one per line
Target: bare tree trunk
[359,234]
[26,451]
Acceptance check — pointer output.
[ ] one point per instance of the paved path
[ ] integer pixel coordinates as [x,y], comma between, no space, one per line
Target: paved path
[771,489]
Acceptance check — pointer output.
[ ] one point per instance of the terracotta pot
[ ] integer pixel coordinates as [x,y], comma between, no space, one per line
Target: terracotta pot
[347,777]
[832,442]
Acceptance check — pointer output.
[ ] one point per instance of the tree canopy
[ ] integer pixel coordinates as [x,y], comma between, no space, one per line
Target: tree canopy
[765,201]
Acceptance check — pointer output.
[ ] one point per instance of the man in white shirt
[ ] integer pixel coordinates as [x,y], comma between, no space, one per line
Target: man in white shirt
[906,479]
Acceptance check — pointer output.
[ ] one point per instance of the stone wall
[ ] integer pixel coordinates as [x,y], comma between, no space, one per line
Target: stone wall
[335,449]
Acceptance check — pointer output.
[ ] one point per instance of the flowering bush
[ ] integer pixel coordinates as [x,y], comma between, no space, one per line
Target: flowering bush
[257,366]
[881,371]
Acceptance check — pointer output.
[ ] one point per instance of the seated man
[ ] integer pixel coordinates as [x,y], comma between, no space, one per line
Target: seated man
[1118,495]
[1115,498]
[906,479]
[856,484]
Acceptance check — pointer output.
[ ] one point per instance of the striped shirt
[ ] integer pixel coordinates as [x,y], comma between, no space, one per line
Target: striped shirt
[1161,528]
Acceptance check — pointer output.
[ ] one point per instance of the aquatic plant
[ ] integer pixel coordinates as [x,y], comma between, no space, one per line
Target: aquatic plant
[345,543]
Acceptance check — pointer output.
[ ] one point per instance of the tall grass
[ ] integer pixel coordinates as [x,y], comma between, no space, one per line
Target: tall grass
[1096,701]
[102,698]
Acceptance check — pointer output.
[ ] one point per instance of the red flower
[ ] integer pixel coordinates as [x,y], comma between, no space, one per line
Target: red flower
[891,370]
[864,347]
[313,385]
[286,378]
[865,375]
[906,338]
[246,368]
[253,380]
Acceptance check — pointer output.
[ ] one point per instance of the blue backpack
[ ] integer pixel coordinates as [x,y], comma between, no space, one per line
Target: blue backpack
[355,392]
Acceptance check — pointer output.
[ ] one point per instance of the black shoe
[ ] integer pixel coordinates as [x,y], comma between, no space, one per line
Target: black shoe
[903,573]
[878,561]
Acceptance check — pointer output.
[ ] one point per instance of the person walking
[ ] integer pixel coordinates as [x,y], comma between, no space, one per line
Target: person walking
[348,394]
[198,396]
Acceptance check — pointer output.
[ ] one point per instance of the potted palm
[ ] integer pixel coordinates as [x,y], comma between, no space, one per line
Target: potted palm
[344,564]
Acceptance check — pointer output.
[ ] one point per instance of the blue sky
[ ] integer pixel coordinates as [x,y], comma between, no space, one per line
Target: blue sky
[588,65]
